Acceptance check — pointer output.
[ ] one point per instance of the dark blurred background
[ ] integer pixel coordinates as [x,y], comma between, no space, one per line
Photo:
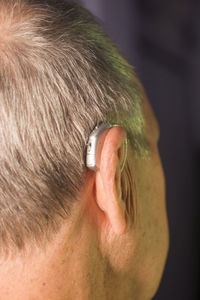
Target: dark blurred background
[161,39]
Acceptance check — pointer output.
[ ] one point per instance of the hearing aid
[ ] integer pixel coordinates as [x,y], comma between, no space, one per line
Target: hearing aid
[94,146]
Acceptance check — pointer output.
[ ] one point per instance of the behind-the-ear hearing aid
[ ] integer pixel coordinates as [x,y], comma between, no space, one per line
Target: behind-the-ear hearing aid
[95,144]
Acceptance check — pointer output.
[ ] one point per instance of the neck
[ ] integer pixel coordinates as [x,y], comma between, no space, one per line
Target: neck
[63,271]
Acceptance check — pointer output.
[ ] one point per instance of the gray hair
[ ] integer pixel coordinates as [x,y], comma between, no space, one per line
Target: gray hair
[60,75]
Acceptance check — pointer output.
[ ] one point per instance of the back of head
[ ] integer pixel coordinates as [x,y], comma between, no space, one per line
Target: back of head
[59,77]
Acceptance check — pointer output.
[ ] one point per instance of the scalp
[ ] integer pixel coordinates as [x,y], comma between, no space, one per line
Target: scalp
[59,77]
[15,27]
[12,15]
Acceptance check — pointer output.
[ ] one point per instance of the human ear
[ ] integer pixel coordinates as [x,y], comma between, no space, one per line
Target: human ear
[108,180]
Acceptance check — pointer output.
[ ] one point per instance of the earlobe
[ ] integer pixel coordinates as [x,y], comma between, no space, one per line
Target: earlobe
[108,180]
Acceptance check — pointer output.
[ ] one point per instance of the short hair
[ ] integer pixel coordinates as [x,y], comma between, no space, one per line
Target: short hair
[60,75]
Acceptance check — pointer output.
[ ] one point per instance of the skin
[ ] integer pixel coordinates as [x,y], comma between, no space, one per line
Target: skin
[115,243]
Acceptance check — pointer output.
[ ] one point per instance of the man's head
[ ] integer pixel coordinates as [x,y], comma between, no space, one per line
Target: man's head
[66,231]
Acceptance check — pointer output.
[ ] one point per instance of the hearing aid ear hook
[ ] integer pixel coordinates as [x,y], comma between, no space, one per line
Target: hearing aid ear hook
[94,146]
